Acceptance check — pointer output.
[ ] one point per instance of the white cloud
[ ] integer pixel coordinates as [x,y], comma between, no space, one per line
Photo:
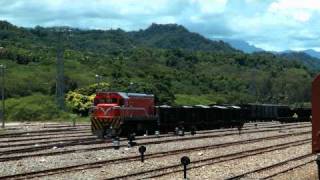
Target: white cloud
[302,16]
[271,24]
[211,6]
[295,4]
[299,10]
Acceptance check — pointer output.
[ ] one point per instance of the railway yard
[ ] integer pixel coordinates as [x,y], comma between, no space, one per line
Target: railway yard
[263,150]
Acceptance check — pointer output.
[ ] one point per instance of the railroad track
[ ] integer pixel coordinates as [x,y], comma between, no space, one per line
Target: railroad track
[77,138]
[59,126]
[88,142]
[289,169]
[99,164]
[32,137]
[46,138]
[73,131]
[273,166]
[32,143]
[285,126]
[47,125]
[40,132]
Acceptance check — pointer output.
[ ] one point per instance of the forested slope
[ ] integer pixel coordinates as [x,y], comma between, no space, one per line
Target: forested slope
[178,66]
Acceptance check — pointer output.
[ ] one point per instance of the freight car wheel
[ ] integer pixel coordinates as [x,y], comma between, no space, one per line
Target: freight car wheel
[193,130]
[126,129]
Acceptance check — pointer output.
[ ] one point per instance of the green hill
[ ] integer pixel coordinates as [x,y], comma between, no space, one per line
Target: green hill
[178,66]
[173,36]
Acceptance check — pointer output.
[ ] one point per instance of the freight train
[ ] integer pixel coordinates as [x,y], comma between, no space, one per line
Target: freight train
[119,113]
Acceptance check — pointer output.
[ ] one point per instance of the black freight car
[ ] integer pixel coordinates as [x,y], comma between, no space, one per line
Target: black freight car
[199,117]
[267,112]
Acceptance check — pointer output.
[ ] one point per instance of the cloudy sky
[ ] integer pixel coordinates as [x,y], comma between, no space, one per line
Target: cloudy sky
[269,24]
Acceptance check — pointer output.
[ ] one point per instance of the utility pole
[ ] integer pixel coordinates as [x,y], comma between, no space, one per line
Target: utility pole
[253,85]
[98,80]
[60,74]
[2,67]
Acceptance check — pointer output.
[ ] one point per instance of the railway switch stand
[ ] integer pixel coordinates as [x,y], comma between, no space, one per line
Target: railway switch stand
[142,150]
[131,138]
[185,160]
[193,131]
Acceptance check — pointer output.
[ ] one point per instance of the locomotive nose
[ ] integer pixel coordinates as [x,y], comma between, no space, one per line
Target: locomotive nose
[104,110]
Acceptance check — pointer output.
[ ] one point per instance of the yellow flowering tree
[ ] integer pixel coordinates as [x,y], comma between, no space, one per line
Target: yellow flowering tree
[80,100]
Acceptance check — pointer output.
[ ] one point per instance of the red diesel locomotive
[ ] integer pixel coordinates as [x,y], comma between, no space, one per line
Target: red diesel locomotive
[133,112]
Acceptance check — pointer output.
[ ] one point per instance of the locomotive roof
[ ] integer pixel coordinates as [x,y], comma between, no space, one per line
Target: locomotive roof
[127,95]
[202,106]
[236,107]
[255,104]
[220,107]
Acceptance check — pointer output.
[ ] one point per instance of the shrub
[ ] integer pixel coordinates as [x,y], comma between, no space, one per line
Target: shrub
[36,107]
[79,103]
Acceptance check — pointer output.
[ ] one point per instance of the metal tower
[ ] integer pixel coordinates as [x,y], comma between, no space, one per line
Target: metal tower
[2,68]
[60,74]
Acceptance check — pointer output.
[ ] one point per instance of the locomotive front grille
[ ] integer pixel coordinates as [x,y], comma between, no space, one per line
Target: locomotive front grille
[103,124]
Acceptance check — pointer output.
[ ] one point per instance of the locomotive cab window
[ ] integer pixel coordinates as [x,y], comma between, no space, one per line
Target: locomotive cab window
[121,102]
[112,100]
[99,101]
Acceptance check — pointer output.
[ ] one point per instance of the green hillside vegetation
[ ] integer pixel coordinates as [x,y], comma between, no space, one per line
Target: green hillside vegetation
[179,67]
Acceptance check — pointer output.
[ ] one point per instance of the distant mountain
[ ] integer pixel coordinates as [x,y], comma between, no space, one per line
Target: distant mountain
[248,48]
[242,45]
[306,59]
[173,36]
[164,36]
[312,53]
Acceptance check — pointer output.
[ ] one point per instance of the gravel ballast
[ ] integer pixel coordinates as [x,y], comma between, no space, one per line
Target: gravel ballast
[216,171]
